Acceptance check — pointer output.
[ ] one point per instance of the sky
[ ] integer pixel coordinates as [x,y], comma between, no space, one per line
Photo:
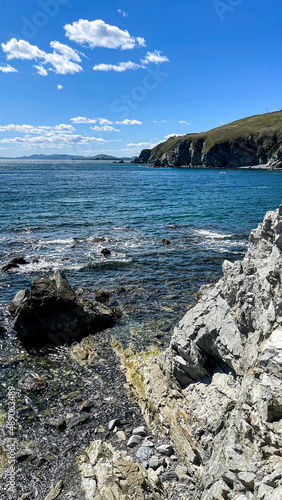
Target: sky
[86,77]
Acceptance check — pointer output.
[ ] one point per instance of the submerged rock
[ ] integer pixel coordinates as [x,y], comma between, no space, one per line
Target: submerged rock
[106,252]
[14,263]
[53,315]
[217,390]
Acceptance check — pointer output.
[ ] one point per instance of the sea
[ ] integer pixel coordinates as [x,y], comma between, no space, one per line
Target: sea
[62,214]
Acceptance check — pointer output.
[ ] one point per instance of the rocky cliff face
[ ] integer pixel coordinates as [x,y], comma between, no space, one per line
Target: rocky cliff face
[244,152]
[251,141]
[216,391]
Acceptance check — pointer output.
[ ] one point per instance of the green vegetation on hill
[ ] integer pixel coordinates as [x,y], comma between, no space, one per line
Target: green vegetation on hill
[259,126]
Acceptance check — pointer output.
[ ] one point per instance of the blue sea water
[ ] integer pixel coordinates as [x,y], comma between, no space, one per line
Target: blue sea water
[51,211]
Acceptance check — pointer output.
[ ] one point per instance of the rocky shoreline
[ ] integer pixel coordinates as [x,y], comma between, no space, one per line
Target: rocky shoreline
[200,420]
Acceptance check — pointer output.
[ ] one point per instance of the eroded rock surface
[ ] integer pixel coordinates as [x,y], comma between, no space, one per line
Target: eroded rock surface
[216,391]
[108,474]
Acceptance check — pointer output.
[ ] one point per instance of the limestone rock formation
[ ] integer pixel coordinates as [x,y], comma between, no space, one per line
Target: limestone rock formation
[52,314]
[107,474]
[217,390]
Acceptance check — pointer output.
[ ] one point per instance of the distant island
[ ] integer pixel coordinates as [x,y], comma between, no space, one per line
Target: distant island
[69,157]
[256,140]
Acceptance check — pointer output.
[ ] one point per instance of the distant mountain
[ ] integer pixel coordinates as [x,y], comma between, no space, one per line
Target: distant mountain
[69,157]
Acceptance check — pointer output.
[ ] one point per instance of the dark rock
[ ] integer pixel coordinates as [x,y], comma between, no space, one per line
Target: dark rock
[166,242]
[82,419]
[129,309]
[52,314]
[120,290]
[98,239]
[134,441]
[140,431]
[121,161]
[86,405]
[170,476]
[113,423]
[102,296]
[14,263]
[35,261]
[106,252]
[2,329]
[165,449]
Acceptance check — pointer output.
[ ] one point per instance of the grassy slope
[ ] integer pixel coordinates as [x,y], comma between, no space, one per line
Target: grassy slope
[257,126]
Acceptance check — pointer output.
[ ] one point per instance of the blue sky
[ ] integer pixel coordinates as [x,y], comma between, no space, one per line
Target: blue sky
[113,77]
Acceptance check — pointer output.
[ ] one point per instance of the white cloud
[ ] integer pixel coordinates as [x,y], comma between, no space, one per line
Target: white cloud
[142,145]
[104,121]
[66,51]
[8,69]
[53,140]
[99,34]
[105,128]
[184,122]
[41,70]
[129,122]
[160,121]
[63,59]
[172,135]
[60,87]
[30,129]
[154,57]
[122,13]
[120,67]
[82,119]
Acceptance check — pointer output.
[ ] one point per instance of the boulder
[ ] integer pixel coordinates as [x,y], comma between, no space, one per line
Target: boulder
[51,314]
[106,252]
[165,241]
[14,263]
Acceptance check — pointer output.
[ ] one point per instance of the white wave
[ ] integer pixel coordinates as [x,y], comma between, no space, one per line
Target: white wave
[67,241]
[212,234]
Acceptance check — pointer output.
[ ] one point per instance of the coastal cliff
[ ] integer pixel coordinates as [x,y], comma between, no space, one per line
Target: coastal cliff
[256,140]
[216,391]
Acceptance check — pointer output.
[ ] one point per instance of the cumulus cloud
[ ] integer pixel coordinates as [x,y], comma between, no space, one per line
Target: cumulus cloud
[63,59]
[184,122]
[104,121]
[60,87]
[154,57]
[119,68]
[42,129]
[99,34]
[8,69]
[129,122]
[41,70]
[150,58]
[122,13]
[105,128]
[53,140]
[82,119]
